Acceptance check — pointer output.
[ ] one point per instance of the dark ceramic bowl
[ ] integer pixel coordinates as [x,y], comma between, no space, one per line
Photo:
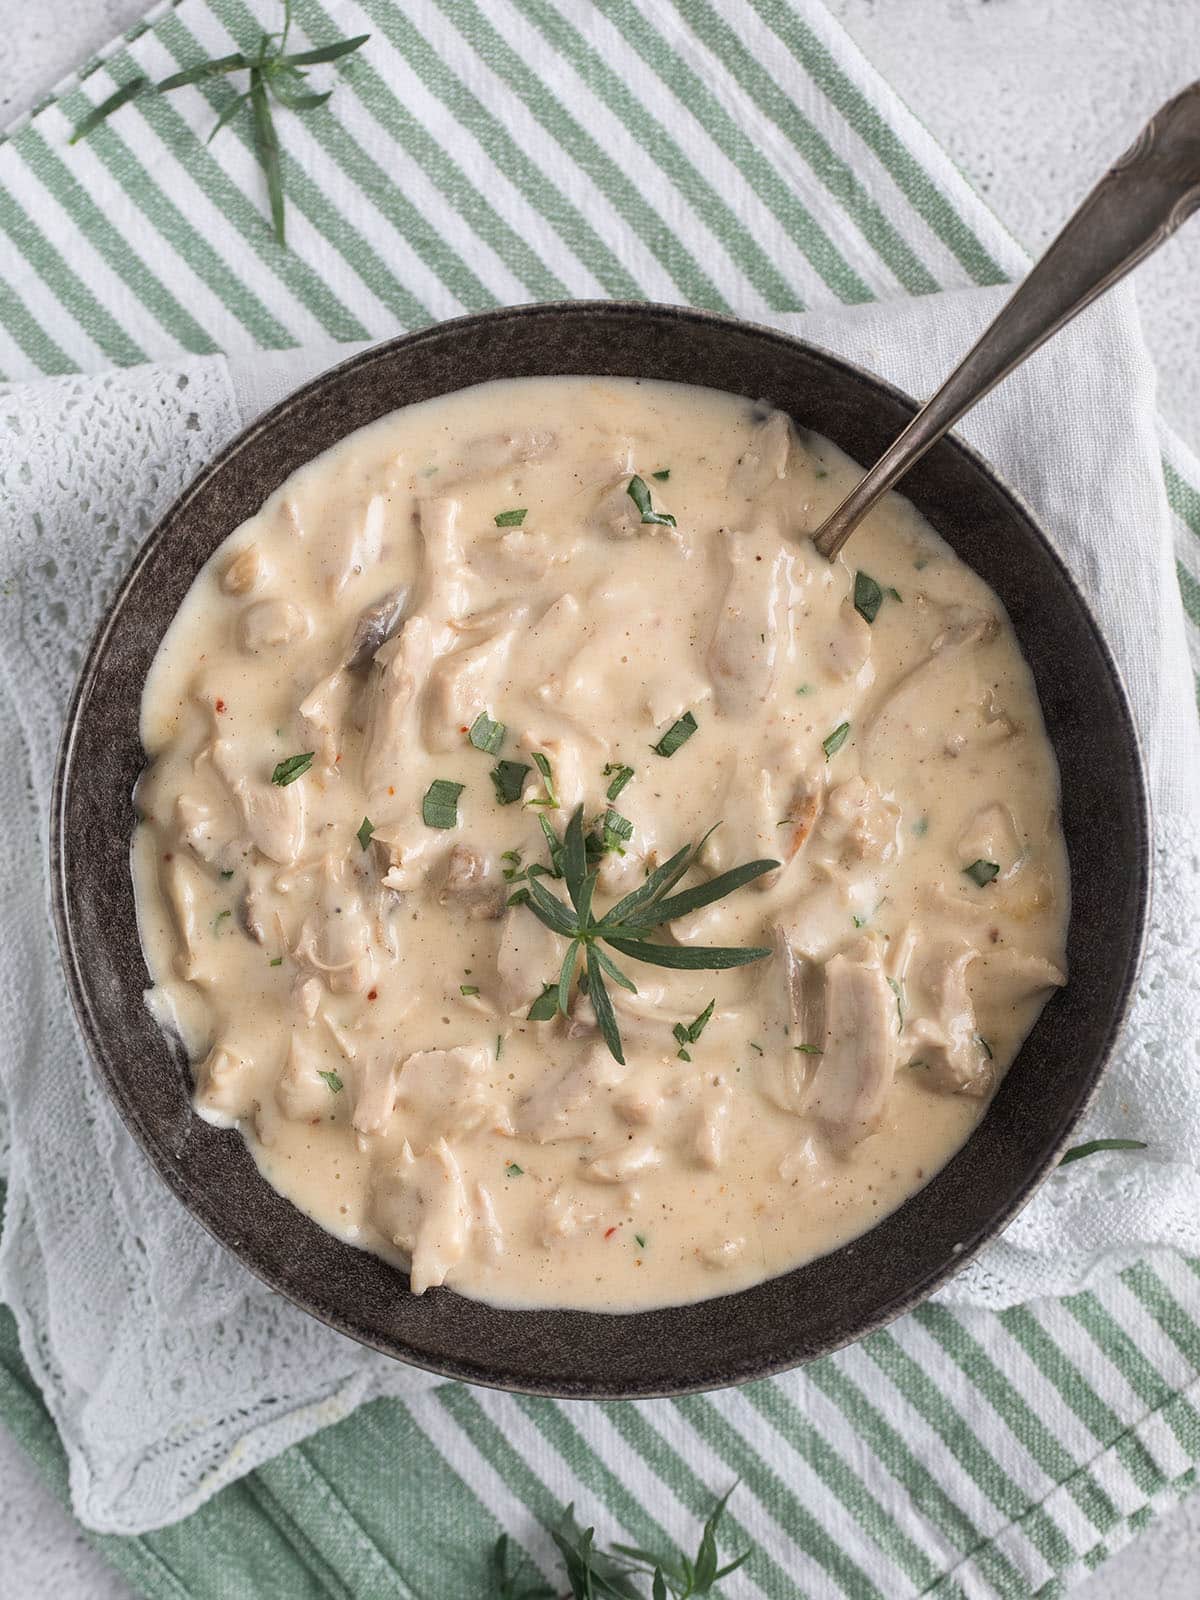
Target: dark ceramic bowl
[791,1318]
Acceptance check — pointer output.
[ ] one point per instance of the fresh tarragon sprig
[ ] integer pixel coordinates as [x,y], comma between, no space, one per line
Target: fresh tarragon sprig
[274,74]
[594,1574]
[627,926]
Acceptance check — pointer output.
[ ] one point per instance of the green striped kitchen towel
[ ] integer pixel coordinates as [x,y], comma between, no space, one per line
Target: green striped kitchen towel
[741,156]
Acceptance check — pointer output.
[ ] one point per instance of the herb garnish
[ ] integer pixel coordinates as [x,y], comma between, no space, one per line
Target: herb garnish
[982,872]
[804,688]
[984,1046]
[640,1240]
[546,1004]
[678,733]
[615,832]
[626,926]
[439,808]
[486,735]
[620,777]
[512,872]
[293,767]
[899,993]
[335,1083]
[272,72]
[365,829]
[468,989]
[868,596]
[688,1032]
[640,495]
[1077,1152]
[553,845]
[511,519]
[219,919]
[808,1049]
[278,962]
[671,1572]
[226,875]
[836,740]
[508,778]
[662,474]
[512,1170]
[549,798]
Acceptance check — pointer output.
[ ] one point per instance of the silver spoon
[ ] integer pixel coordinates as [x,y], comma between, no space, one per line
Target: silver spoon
[1137,204]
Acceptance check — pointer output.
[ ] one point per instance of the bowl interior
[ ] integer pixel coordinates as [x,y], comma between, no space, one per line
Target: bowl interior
[791,1318]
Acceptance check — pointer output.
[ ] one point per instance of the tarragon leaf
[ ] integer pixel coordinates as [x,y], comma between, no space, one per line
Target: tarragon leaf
[553,913]
[324,52]
[613,970]
[574,856]
[204,70]
[127,91]
[678,905]
[692,957]
[267,145]
[568,972]
[603,1007]
[1094,1146]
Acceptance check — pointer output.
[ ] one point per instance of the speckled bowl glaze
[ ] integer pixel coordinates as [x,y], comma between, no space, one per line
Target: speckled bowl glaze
[736,1337]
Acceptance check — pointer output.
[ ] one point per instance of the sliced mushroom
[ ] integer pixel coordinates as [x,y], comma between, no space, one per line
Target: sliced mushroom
[377,623]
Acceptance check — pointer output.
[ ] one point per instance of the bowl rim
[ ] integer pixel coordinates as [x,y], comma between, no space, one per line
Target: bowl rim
[341,1319]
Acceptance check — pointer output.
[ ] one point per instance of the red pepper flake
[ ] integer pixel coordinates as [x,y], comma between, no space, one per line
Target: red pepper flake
[372,994]
[220,705]
[167,856]
[608,1232]
[390,789]
[464,729]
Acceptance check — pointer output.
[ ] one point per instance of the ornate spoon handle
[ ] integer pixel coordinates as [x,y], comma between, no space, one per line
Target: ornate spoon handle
[1137,204]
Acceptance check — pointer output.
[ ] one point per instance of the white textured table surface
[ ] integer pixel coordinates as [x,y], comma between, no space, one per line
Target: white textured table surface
[1031,98]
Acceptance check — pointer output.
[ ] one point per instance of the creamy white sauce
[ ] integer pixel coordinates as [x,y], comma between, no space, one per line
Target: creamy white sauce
[359,1010]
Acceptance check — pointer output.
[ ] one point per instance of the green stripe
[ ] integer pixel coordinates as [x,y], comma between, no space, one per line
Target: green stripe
[964,1445]
[622,193]
[111,244]
[225,1548]
[248,219]
[801,1525]
[1026,1426]
[814,1448]
[504,154]
[515,1472]
[301,191]
[690,90]
[70,291]
[442,170]
[829,167]
[910,177]
[1183,499]
[609,88]
[560,1432]
[1189,589]
[31,336]
[1149,1386]
[1172,1318]
[1095,1413]
[173,225]
[439,1524]
[632,1423]
[881,1438]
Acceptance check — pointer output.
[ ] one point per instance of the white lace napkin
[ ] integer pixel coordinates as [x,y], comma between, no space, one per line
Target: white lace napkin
[167,1368]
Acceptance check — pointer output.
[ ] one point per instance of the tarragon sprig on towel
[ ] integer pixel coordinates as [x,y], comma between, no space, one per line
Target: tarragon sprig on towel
[274,75]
